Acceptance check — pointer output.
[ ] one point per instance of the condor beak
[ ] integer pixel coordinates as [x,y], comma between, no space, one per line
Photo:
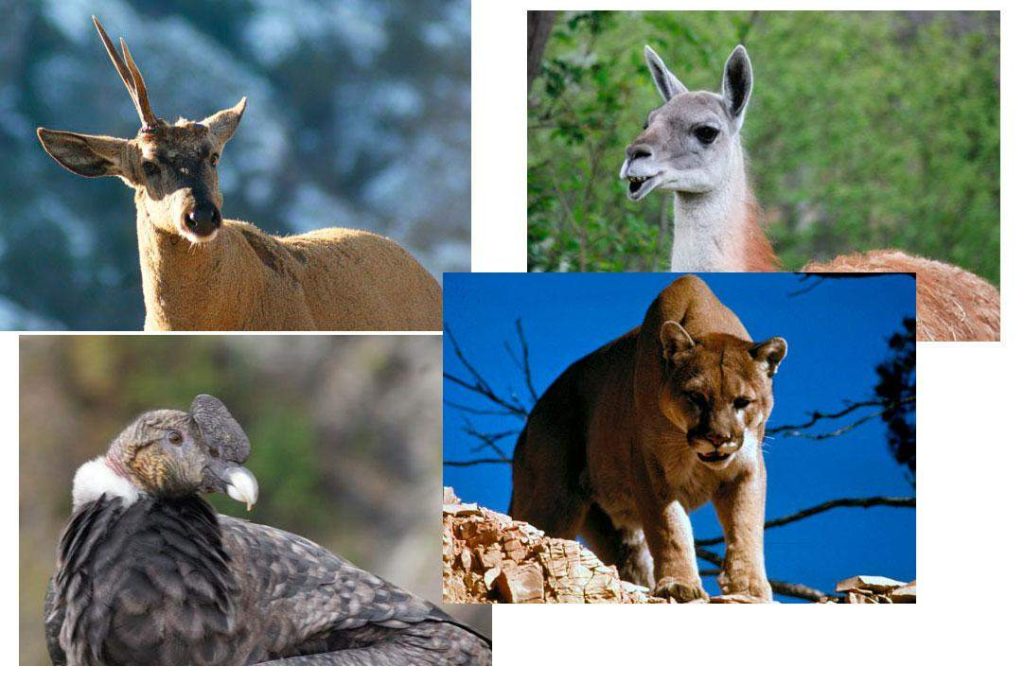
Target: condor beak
[241,486]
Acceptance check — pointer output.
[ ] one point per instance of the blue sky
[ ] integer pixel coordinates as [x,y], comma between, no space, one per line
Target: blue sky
[837,333]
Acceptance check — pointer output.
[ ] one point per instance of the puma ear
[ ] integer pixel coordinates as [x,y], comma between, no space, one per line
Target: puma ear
[664,80]
[223,124]
[770,353]
[675,341]
[87,155]
[737,82]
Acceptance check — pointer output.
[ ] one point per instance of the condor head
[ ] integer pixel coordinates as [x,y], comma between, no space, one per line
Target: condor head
[173,454]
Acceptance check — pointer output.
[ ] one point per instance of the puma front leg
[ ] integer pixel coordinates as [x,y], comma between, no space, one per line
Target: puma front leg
[740,508]
[670,539]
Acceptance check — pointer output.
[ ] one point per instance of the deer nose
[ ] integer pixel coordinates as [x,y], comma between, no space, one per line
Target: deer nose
[203,220]
[639,151]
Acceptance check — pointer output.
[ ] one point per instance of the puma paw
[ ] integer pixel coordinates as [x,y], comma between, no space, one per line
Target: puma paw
[679,590]
[754,586]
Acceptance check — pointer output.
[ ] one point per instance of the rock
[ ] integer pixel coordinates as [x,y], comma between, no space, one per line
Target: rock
[870,583]
[521,584]
[489,557]
[905,594]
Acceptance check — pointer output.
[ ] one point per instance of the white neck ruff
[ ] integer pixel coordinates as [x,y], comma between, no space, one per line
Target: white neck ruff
[95,478]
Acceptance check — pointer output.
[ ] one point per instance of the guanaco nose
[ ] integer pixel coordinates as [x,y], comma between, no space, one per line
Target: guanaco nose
[638,151]
[203,220]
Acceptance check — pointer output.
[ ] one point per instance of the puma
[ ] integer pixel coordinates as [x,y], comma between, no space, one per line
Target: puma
[634,436]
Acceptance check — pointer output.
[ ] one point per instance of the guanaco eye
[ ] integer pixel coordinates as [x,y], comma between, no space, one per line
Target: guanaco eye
[175,437]
[741,402]
[150,169]
[705,134]
[214,158]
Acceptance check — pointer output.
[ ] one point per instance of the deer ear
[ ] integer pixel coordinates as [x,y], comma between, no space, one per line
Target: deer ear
[223,124]
[737,82]
[675,341]
[770,353]
[666,82]
[87,155]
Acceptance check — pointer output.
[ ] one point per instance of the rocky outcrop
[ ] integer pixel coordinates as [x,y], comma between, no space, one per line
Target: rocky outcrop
[489,557]
[871,589]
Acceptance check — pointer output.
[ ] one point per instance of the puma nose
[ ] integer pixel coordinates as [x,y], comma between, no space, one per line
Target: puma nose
[638,151]
[203,220]
[717,440]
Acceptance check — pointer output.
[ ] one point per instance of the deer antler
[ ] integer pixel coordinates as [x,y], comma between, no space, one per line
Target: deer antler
[132,78]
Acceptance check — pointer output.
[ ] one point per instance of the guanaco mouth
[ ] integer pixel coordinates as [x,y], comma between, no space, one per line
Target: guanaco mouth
[639,186]
[636,181]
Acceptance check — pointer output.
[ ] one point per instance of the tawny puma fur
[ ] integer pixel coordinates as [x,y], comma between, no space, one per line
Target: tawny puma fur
[634,436]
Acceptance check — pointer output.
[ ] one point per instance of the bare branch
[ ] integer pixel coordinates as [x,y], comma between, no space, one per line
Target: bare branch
[479,385]
[845,502]
[816,416]
[475,462]
[526,359]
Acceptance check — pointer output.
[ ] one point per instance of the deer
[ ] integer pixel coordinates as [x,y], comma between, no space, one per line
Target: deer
[201,271]
[690,146]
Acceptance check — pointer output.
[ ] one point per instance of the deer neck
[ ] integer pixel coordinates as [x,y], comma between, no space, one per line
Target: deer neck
[719,230]
[185,285]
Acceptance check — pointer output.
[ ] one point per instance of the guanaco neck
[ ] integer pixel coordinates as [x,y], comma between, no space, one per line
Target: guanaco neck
[719,230]
[186,286]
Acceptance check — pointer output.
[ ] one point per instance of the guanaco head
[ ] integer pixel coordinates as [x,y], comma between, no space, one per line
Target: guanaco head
[172,167]
[691,143]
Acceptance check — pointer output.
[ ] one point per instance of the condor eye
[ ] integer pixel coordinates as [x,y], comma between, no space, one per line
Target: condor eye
[214,158]
[741,402]
[175,437]
[150,169]
[705,134]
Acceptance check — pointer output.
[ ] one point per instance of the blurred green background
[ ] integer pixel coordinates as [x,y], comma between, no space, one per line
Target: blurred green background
[864,131]
[345,432]
[358,116]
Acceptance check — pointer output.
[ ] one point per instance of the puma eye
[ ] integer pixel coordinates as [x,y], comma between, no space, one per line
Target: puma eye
[741,402]
[214,158]
[150,169]
[175,437]
[696,399]
[705,134]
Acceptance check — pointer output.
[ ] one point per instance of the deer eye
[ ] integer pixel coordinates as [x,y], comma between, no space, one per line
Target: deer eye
[705,134]
[214,158]
[150,169]
[741,402]
[174,437]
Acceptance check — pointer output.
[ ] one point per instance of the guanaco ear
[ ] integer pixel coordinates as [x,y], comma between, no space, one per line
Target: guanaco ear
[666,82]
[223,124]
[737,82]
[770,353]
[675,341]
[87,155]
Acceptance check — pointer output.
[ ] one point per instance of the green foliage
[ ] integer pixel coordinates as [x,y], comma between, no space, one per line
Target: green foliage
[865,131]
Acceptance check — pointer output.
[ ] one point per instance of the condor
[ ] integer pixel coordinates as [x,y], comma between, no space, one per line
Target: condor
[149,574]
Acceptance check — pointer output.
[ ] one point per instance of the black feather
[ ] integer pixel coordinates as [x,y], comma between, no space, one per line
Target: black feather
[167,581]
